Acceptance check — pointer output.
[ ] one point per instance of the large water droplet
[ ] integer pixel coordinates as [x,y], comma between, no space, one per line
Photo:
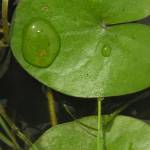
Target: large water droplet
[40,43]
[106,51]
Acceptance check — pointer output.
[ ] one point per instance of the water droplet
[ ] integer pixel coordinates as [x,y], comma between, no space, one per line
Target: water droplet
[40,43]
[106,51]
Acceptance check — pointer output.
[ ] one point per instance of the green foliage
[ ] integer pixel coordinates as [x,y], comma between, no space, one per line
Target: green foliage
[94,59]
[87,48]
[125,134]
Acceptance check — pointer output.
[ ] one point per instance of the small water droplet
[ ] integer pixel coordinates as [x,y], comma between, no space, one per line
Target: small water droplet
[106,51]
[40,43]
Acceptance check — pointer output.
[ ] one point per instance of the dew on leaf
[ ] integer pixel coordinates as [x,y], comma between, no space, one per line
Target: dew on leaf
[106,51]
[40,43]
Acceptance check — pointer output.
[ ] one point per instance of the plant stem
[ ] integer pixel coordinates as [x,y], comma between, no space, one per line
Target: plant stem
[5,20]
[8,132]
[17,131]
[99,127]
[122,108]
[51,107]
[1,30]
[6,140]
[78,121]
[2,44]
[25,139]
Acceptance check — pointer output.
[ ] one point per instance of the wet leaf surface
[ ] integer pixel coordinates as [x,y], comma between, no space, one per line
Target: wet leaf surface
[94,59]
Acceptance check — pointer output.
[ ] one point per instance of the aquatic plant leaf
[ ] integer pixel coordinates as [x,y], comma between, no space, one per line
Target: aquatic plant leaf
[125,134]
[86,58]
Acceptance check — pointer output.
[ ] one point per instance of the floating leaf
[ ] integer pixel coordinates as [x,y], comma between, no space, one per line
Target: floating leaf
[94,60]
[125,134]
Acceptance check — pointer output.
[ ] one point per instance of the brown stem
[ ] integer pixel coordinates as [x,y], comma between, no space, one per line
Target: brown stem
[51,107]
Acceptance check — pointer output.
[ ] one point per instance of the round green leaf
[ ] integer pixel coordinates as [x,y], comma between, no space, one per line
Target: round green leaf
[85,58]
[124,134]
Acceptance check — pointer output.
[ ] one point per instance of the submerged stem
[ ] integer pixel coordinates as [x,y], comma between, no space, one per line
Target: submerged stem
[5,20]
[51,107]
[99,126]
[6,140]
[1,30]
[16,130]
[9,134]
[78,121]
[122,108]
